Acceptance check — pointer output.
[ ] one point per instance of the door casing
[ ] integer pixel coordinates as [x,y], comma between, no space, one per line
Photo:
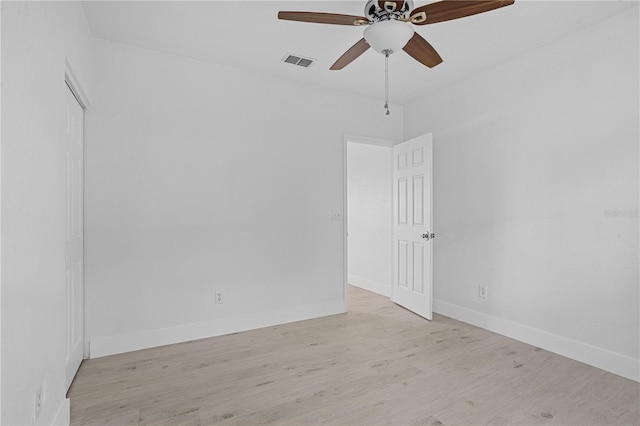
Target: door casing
[73,84]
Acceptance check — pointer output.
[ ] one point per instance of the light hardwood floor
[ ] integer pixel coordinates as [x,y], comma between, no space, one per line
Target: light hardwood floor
[377,364]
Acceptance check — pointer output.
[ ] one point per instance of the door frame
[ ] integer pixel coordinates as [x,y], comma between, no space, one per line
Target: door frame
[75,86]
[367,140]
[80,94]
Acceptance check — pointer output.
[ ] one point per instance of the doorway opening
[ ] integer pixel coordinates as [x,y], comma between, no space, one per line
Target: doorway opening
[369,218]
[389,220]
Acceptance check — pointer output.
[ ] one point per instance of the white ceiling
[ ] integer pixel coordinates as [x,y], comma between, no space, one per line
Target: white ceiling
[247,34]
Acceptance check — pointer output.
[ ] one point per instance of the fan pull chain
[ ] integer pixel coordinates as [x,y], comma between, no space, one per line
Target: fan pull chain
[386,80]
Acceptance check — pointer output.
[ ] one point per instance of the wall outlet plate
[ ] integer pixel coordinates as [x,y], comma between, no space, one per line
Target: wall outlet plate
[219,299]
[483,292]
[37,403]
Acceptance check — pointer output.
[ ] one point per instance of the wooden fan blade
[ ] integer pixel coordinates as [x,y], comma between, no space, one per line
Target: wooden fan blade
[350,55]
[422,51]
[323,18]
[447,10]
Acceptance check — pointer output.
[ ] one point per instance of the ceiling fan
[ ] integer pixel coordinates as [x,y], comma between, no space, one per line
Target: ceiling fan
[388,27]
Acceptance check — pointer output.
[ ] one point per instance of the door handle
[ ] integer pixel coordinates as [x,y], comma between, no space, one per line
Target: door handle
[428,236]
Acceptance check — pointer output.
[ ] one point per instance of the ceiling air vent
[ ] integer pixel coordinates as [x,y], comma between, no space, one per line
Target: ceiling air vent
[297,60]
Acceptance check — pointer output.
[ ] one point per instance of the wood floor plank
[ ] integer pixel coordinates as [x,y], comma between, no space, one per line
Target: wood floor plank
[377,364]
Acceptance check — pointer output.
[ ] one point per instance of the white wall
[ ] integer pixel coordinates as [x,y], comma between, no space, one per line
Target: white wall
[369,218]
[200,178]
[529,159]
[0,228]
[37,37]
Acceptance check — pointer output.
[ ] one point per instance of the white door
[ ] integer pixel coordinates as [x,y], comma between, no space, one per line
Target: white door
[74,254]
[412,227]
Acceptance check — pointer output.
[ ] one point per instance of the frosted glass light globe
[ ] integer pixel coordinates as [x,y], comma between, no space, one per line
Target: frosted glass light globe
[389,35]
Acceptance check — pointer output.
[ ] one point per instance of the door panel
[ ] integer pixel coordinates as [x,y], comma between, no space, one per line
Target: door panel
[418,200]
[74,244]
[403,263]
[402,201]
[418,268]
[412,284]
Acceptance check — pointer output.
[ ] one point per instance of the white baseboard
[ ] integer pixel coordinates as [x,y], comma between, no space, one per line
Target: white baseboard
[63,416]
[103,346]
[621,365]
[374,286]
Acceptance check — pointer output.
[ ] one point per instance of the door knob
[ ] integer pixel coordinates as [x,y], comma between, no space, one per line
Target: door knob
[428,236]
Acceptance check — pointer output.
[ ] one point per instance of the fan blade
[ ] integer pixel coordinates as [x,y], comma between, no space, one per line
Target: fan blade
[350,55]
[323,18]
[447,10]
[422,51]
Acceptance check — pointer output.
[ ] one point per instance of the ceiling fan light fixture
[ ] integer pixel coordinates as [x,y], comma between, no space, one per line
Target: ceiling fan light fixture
[391,35]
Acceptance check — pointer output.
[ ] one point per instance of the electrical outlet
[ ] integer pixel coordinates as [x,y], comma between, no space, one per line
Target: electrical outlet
[37,400]
[483,292]
[336,215]
[219,298]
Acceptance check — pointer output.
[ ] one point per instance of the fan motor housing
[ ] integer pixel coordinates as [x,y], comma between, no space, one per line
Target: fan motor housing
[377,10]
